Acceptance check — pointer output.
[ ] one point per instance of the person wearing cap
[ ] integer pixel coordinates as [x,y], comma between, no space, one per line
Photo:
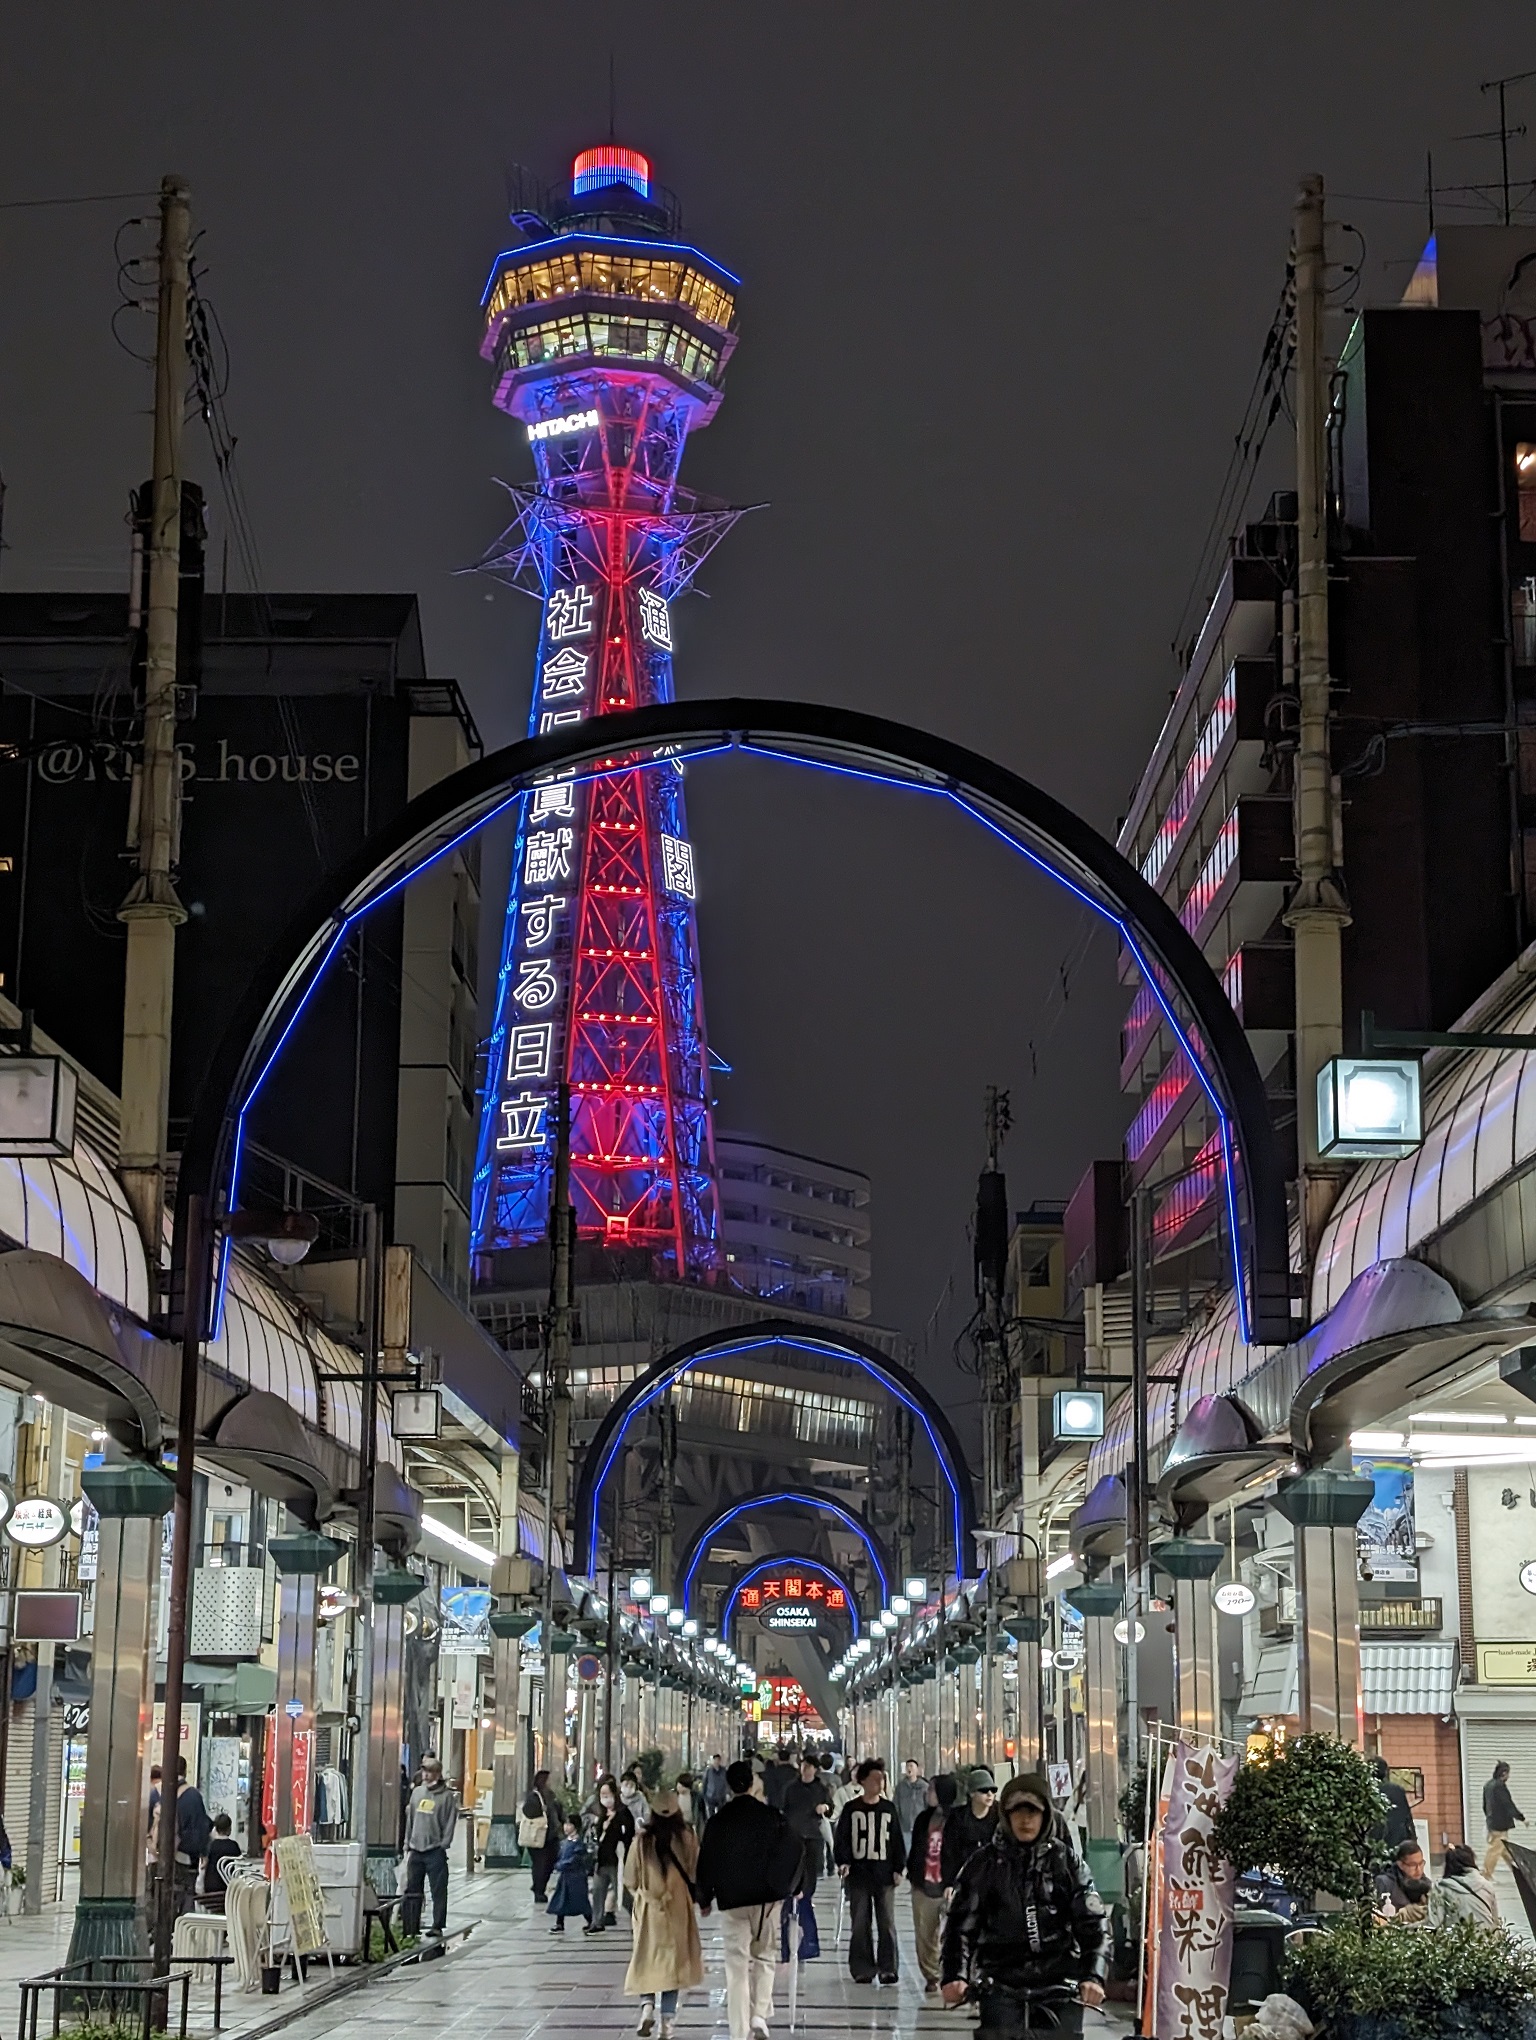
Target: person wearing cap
[1027,1932]
[925,1875]
[970,1827]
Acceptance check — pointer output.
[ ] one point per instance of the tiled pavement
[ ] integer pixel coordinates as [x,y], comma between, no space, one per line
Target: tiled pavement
[516,1980]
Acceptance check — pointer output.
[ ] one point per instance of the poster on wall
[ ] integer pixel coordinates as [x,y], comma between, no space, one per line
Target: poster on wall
[466,1614]
[191,1735]
[1385,1546]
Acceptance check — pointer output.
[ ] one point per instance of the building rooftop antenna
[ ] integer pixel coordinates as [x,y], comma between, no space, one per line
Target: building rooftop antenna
[1505,132]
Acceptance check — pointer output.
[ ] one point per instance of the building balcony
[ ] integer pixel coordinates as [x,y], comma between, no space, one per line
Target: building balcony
[1401,1618]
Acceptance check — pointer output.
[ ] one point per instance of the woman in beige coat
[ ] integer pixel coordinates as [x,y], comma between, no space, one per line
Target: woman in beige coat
[666,1957]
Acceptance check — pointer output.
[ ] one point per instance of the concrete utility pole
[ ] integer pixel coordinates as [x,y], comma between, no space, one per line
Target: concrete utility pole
[1319,908]
[151,910]
[557,1430]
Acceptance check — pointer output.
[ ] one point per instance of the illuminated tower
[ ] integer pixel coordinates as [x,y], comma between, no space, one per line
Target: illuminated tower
[609,339]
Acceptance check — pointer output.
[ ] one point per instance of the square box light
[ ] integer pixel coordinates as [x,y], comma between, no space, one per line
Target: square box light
[1369,1106]
[1077,1413]
[37,1105]
[415,1413]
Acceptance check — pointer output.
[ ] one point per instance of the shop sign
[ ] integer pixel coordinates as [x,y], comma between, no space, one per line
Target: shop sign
[37,1521]
[1506,1664]
[1233,1597]
[1528,1576]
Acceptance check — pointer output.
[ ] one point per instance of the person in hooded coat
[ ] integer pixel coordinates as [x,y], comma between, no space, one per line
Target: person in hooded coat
[667,1957]
[1027,1933]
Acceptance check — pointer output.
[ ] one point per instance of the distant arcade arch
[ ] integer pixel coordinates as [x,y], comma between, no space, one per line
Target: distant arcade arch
[780,1498]
[663,1375]
[748,1573]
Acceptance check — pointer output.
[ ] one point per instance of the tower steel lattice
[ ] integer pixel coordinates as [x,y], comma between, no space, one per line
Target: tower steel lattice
[609,339]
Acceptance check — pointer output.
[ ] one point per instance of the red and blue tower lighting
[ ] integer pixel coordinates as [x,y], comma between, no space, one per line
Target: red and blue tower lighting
[609,339]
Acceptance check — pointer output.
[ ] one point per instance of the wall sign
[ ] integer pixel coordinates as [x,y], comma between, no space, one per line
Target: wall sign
[36,1522]
[1528,1576]
[1506,1664]
[1232,1597]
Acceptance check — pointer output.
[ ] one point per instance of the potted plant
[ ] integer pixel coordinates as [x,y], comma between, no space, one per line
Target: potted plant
[1309,1811]
[1463,1982]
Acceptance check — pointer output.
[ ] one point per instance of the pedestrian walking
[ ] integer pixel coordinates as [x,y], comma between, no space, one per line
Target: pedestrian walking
[868,1854]
[666,1958]
[572,1896]
[911,1798]
[970,1827]
[688,1800]
[925,1875]
[778,1773]
[1501,1816]
[807,1803]
[429,1826]
[749,1862]
[714,1788]
[1463,1893]
[194,1831]
[615,1831]
[542,1805]
[1026,1934]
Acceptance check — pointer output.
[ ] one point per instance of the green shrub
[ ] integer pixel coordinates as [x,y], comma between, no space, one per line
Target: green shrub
[1133,1805]
[1306,1812]
[1417,1983]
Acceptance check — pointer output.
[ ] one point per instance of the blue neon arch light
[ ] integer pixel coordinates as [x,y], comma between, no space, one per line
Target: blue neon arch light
[1047,835]
[788,1498]
[763,1565]
[749,1339]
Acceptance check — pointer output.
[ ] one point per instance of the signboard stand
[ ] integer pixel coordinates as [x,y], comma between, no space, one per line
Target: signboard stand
[304,1929]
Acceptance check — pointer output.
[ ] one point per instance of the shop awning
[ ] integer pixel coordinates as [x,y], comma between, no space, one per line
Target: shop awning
[243,1688]
[1417,1677]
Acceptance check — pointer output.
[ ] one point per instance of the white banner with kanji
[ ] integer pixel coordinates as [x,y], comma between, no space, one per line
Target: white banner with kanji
[1194,1967]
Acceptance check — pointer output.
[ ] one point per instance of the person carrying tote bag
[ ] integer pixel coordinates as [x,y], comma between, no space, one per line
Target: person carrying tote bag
[541,1816]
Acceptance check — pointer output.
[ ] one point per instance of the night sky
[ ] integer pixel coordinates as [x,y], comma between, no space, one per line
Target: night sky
[1007,272]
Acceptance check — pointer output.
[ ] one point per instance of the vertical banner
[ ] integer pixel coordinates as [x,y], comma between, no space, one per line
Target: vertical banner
[1194,1957]
[1385,1544]
[1152,1895]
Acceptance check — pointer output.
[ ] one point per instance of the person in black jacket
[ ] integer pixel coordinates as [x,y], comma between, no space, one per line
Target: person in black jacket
[615,1830]
[868,1853]
[1026,1929]
[1500,1815]
[925,1875]
[1397,1823]
[806,1802]
[970,1827]
[543,1804]
[749,1860]
[778,1775]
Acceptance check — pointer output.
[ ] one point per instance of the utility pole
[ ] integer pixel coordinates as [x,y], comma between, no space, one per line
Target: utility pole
[1318,912]
[1136,1493]
[557,1427]
[151,911]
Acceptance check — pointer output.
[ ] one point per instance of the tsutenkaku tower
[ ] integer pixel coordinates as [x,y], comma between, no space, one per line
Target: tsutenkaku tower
[609,340]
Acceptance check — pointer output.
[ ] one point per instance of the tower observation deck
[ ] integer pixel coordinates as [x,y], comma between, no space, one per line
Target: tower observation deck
[609,340]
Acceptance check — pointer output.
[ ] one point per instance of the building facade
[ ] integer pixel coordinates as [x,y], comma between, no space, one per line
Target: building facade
[794,1230]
